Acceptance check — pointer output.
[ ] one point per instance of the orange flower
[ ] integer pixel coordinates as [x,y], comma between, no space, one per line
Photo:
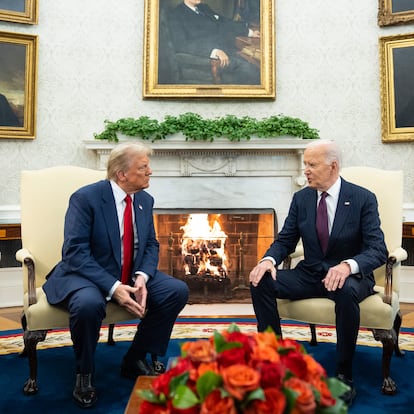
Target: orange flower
[274,403]
[199,351]
[326,399]
[305,401]
[240,379]
[216,404]
[207,366]
[314,368]
[265,353]
[267,338]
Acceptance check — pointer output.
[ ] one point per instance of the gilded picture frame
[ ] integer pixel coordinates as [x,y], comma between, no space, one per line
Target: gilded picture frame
[19,11]
[18,72]
[393,12]
[171,70]
[397,87]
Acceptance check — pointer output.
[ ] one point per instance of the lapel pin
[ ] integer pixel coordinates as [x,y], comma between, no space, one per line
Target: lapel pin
[347,203]
[139,206]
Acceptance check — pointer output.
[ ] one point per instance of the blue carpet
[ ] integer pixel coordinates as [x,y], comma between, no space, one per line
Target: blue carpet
[56,375]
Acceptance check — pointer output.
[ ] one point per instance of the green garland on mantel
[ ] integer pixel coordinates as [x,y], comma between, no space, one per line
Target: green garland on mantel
[196,128]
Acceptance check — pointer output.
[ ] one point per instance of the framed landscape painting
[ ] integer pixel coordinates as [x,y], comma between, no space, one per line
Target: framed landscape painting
[19,11]
[218,49]
[397,87]
[392,12]
[18,55]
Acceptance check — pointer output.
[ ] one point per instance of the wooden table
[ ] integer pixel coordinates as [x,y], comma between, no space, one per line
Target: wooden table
[142,383]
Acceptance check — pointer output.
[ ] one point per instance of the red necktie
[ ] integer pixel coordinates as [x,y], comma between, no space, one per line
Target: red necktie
[322,222]
[128,241]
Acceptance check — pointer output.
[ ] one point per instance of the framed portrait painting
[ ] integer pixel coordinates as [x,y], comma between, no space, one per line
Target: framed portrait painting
[392,12]
[209,49]
[19,11]
[18,55]
[397,87]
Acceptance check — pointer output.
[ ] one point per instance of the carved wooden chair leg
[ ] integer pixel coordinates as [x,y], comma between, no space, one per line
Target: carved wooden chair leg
[397,327]
[111,334]
[388,339]
[313,340]
[24,326]
[31,339]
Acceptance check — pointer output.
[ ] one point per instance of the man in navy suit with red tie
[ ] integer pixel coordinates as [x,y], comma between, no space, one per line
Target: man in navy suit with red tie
[198,30]
[343,272]
[89,274]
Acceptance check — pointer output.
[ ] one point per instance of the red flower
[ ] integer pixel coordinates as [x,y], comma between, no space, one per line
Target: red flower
[215,403]
[274,403]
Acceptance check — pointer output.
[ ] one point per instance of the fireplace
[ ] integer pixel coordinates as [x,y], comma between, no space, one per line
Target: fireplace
[213,250]
[248,184]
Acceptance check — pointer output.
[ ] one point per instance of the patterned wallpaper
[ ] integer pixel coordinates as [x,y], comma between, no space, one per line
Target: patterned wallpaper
[90,69]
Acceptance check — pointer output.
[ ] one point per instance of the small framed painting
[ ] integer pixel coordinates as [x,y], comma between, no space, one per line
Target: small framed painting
[18,56]
[392,12]
[397,87]
[19,11]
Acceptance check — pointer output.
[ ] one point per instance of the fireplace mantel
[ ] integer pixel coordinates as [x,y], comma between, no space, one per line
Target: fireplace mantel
[219,157]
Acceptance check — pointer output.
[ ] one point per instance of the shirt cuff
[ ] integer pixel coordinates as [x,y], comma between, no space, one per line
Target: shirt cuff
[112,290]
[353,265]
[269,258]
[143,274]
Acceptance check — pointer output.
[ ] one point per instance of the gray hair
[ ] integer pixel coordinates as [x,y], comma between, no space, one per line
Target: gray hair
[121,156]
[331,148]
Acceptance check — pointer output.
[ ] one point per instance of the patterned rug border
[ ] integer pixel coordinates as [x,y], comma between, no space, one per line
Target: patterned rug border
[186,328]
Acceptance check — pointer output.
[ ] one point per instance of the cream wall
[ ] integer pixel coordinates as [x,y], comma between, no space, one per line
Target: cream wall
[90,69]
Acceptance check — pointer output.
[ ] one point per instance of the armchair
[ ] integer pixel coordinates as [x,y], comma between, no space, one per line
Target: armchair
[44,200]
[380,313]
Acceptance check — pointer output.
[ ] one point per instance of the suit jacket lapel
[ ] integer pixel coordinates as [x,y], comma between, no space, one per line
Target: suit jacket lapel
[342,211]
[310,206]
[111,219]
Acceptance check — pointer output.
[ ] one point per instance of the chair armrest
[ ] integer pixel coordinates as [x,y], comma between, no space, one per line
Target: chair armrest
[394,258]
[24,256]
[399,254]
[297,253]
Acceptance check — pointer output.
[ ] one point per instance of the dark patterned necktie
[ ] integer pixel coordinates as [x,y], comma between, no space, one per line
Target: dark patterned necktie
[322,222]
[128,241]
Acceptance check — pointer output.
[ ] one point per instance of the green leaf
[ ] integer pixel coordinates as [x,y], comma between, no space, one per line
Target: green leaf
[150,396]
[339,408]
[222,345]
[177,381]
[337,387]
[184,397]
[207,383]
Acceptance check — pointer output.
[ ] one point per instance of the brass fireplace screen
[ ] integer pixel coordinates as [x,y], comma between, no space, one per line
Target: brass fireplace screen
[213,251]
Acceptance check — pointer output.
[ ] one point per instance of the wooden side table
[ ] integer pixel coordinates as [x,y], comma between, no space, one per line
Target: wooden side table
[142,383]
[10,231]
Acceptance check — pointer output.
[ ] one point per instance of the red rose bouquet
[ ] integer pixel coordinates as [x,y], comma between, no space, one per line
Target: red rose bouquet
[233,373]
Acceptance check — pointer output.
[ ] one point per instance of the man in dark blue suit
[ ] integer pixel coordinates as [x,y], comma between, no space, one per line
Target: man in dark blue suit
[343,272]
[198,30]
[90,271]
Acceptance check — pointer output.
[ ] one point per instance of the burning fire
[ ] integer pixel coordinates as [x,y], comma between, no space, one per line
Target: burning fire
[203,247]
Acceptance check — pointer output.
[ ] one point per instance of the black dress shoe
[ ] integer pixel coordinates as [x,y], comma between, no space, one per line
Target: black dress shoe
[133,369]
[84,392]
[348,396]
